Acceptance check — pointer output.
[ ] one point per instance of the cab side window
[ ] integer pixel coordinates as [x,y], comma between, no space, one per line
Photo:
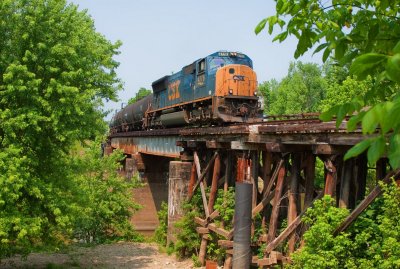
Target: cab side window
[201,67]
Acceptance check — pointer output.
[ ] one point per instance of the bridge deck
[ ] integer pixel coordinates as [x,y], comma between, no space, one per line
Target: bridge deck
[275,136]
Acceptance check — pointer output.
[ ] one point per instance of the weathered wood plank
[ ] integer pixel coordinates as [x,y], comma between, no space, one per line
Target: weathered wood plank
[291,227]
[331,178]
[266,200]
[225,243]
[198,169]
[192,181]
[293,196]
[200,221]
[214,183]
[218,230]
[273,224]
[202,230]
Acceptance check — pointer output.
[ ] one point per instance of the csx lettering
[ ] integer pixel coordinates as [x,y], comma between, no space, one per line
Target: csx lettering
[238,77]
[173,90]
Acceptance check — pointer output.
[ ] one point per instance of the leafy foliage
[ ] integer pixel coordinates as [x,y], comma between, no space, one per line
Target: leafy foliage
[300,91]
[188,240]
[363,34]
[225,204]
[104,199]
[160,234]
[341,87]
[322,249]
[55,70]
[143,92]
[371,242]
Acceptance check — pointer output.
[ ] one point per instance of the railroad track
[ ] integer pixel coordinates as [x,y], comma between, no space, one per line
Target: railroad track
[291,123]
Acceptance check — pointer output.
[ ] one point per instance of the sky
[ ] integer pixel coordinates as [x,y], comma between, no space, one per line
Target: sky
[160,37]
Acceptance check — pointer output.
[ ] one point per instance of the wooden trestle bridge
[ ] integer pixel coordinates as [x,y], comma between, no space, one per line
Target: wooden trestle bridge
[270,164]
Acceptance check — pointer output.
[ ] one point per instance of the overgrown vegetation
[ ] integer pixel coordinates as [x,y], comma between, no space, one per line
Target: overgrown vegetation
[187,239]
[309,87]
[103,198]
[160,234]
[362,35]
[371,242]
[55,72]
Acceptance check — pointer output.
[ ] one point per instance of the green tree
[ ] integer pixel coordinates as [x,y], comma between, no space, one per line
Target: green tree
[300,91]
[268,92]
[361,33]
[143,92]
[102,198]
[55,70]
[342,87]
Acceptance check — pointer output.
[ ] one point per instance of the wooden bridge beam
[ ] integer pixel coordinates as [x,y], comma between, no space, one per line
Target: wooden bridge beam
[273,224]
[293,196]
[330,177]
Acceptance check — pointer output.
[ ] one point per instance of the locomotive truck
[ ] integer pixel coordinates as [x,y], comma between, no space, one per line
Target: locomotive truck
[217,89]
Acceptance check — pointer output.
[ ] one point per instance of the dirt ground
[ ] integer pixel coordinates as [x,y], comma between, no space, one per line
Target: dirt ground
[118,255]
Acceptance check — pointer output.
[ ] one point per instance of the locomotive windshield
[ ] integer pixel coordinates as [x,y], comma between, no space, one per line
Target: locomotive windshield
[217,62]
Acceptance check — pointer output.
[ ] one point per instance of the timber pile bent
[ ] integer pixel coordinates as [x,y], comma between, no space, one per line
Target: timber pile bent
[271,165]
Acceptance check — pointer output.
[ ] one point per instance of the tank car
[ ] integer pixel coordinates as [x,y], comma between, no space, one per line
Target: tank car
[219,88]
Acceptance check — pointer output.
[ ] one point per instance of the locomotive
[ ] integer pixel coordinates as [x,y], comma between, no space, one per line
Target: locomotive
[219,88]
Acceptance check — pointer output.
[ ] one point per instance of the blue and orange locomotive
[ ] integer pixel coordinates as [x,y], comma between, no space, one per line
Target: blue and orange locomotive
[219,88]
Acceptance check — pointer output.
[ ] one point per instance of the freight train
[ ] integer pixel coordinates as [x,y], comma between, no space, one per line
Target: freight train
[217,89]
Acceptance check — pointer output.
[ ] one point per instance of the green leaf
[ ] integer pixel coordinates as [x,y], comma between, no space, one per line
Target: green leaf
[354,120]
[357,149]
[328,115]
[370,121]
[271,22]
[320,47]
[326,54]
[376,149]
[396,48]
[393,115]
[393,68]
[366,64]
[394,151]
[341,114]
[373,31]
[340,49]
[385,120]
[281,37]
[260,26]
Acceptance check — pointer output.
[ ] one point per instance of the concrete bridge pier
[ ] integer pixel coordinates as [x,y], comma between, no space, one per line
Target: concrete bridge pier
[179,175]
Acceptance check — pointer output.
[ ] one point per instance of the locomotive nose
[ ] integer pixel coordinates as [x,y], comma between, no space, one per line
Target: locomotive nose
[235,80]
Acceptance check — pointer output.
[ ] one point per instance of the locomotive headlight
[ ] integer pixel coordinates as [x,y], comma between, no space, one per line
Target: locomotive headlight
[255,93]
[230,92]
